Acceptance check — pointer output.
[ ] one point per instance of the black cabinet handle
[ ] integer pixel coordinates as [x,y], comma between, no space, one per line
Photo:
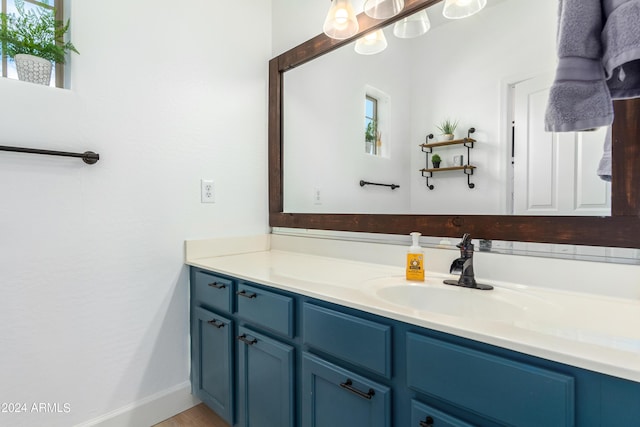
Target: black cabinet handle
[348,385]
[244,339]
[427,423]
[217,285]
[246,294]
[218,324]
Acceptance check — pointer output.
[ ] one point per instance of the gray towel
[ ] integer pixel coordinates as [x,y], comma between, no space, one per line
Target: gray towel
[604,167]
[621,44]
[579,98]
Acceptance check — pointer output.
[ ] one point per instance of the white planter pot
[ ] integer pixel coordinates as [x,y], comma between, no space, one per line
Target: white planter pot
[33,69]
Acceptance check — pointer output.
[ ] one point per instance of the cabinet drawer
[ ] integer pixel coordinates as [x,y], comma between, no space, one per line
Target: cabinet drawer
[265,308]
[336,397]
[213,290]
[355,340]
[425,416]
[506,391]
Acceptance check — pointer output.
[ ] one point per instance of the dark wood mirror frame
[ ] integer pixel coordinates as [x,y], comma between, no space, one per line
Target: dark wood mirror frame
[621,229]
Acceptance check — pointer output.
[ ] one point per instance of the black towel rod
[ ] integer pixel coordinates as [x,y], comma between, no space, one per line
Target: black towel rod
[89,157]
[393,186]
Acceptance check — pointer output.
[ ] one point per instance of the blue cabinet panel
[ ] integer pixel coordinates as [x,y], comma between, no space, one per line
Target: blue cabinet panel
[212,290]
[355,340]
[266,387]
[335,397]
[500,389]
[425,416]
[265,308]
[212,361]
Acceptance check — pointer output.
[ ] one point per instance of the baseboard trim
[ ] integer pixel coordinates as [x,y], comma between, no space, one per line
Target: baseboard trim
[150,410]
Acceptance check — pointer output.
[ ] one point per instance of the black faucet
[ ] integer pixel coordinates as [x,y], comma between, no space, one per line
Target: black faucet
[464,266]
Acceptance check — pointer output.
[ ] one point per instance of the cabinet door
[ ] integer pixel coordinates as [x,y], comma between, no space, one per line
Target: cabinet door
[335,397]
[266,390]
[211,361]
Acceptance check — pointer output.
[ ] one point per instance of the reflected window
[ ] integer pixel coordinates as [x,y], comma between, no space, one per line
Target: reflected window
[371,125]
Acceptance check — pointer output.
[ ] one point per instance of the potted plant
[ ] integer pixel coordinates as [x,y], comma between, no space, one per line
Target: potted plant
[34,38]
[370,135]
[435,159]
[370,132]
[447,128]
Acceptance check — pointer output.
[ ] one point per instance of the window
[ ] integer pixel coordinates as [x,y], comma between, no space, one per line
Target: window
[9,7]
[377,126]
[370,125]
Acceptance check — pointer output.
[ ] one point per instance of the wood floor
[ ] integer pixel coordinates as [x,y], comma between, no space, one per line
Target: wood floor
[198,416]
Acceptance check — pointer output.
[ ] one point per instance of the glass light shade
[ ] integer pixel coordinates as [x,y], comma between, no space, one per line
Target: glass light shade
[412,26]
[371,43]
[458,9]
[341,22]
[383,9]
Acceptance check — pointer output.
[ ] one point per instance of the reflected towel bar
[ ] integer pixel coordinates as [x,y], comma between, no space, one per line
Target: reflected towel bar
[393,186]
[89,157]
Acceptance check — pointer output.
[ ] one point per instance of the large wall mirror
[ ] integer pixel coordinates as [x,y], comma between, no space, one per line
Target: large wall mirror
[486,72]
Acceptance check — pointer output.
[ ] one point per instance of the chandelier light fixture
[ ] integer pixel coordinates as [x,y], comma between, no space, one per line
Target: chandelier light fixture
[458,9]
[412,26]
[372,43]
[383,9]
[341,22]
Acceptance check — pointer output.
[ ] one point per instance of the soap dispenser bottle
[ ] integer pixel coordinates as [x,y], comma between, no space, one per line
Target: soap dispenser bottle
[415,259]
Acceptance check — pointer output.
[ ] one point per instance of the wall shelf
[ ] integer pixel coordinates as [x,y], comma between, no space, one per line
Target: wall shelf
[428,147]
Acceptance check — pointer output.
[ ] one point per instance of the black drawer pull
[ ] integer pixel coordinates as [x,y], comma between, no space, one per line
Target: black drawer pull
[218,324]
[217,285]
[244,339]
[246,294]
[427,423]
[348,385]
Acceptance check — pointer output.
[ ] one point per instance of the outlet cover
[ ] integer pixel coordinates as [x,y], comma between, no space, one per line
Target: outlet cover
[207,193]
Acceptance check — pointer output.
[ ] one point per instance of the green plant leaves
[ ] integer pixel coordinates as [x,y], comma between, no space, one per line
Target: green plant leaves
[35,32]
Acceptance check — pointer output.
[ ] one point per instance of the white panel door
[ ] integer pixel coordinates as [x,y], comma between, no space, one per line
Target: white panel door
[554,172]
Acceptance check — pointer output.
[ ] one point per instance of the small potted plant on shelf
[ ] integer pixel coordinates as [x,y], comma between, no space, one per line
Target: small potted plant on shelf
[34,38]
[435,159]
[447,128]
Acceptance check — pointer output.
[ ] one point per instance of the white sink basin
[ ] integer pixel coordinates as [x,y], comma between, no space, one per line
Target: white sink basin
[566,315]
[498,304]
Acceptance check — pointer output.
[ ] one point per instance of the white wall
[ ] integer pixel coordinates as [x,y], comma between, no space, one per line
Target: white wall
[94,306]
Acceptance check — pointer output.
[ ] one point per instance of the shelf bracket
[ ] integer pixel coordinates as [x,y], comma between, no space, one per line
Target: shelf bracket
[428,149]
[469,172]
[430,175]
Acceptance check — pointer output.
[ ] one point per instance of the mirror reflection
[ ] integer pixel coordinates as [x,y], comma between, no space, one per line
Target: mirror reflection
[352,117]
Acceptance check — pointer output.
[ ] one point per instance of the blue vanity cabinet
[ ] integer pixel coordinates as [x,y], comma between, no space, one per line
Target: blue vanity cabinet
[266,381]
[264,357]
[212,361]
[336,397]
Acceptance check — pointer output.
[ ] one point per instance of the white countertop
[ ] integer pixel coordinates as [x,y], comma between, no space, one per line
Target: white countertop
[593,332]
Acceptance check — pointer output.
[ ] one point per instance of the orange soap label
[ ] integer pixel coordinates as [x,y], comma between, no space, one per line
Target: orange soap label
[415,267]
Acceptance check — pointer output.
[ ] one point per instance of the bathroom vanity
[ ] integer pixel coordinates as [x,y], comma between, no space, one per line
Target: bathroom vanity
[283,338]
